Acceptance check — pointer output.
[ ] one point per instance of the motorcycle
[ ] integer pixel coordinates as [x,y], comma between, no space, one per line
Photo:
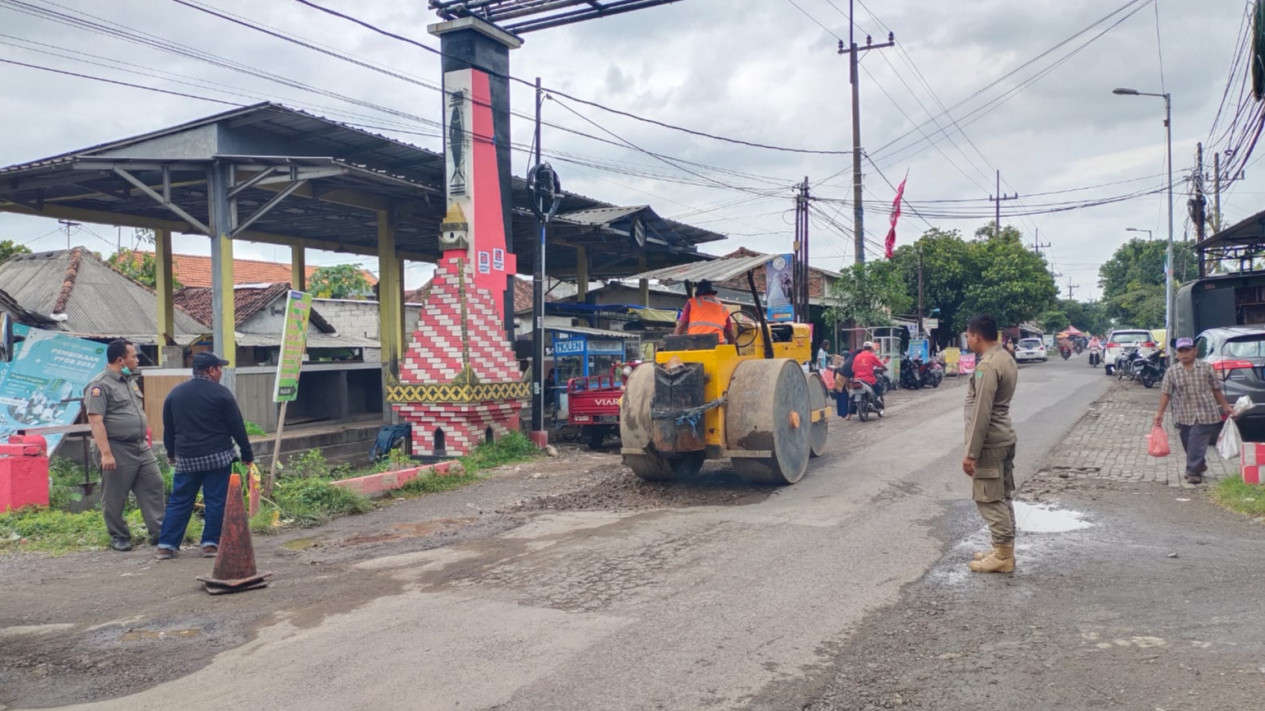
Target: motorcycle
[1065,352]
[1150,370]
[1095,357]
[867,400]
[1128,364]
[910,374]
[931,373]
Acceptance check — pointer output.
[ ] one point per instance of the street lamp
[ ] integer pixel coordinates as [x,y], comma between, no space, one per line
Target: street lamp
[1168,255]
[1149,234]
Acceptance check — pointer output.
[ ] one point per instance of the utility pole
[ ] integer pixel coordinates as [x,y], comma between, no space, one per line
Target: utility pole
[1071,288]
[1216,193]
[920,307]
[853,52]
[538,310]
[1198,205]
[68,225]
[799,267]
[1037,244]
[998,198]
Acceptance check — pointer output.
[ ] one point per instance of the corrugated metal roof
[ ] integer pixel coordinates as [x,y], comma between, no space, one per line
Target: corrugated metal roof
[714,271]
[96,299]
[601,215]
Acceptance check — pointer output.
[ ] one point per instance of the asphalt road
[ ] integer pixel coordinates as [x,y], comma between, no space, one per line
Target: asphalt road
[685,608]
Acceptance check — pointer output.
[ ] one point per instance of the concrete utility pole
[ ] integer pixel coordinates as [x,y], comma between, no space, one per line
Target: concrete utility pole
[920,307]
[1216,193]
[1037,244]
[998,198]
[853,52]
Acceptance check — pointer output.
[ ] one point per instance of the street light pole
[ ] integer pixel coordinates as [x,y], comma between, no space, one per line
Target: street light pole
[1149,234]
[1169,294]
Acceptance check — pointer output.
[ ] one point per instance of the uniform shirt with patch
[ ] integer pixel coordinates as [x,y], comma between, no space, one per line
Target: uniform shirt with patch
[988,396]
[117,398]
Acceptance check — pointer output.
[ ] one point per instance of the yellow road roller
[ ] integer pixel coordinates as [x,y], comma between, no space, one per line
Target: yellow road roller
[752,401]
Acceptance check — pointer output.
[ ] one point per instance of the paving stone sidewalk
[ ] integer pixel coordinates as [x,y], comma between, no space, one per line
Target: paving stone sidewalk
[1110,443]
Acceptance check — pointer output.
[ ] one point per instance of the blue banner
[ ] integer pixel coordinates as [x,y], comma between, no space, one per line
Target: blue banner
[48,369]
[778,286]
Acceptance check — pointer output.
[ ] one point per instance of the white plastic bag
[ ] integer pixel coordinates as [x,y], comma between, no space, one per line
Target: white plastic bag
[1242,405]
[1228,444]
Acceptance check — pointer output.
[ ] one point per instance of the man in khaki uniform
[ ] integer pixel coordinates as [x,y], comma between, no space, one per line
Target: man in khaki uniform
[116,412]
[990,442]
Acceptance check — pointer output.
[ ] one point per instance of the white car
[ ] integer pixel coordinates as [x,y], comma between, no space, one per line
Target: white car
[1029,349]
[1124,340]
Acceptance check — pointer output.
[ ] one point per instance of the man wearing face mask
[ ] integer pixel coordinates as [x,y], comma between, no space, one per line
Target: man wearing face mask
[116,413]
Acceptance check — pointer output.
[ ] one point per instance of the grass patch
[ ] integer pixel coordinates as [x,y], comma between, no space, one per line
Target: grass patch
[254,430]
[1236,495]
[434,484]
[310,502]
[510,449]
[61,532]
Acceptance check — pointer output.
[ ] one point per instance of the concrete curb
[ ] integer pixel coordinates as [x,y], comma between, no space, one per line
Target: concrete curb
[383,482]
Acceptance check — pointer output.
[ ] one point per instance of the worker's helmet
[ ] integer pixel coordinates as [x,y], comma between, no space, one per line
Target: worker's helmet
[704,287]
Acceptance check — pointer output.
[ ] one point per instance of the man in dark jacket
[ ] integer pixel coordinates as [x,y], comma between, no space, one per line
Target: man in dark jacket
[200,423]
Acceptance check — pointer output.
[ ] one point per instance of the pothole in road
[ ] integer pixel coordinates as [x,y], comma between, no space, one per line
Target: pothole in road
[1034,518]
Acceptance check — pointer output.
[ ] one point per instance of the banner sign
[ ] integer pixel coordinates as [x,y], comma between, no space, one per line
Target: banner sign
[966,364]
[778,285]
[48,368]
[919,348]
[293,346]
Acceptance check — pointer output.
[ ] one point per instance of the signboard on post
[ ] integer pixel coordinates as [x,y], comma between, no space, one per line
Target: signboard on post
[289,364]
[48,372]
[293,346]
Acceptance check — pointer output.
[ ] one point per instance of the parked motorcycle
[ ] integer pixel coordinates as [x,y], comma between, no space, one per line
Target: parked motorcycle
[910,374]
[1129,364]
[1150,370]
[931,373]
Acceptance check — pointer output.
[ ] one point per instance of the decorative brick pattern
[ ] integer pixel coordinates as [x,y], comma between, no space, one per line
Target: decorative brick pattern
[459,347]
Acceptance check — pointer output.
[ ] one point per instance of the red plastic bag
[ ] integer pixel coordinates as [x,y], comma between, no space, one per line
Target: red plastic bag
[1157,442]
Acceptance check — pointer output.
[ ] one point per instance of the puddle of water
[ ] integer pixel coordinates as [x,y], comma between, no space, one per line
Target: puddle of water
[1032,518]
[138,635]
[301,544]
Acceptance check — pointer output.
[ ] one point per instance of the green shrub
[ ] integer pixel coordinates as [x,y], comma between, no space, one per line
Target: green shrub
[309,464]
[434,483]
[254,430]
[311,501]
[514,447]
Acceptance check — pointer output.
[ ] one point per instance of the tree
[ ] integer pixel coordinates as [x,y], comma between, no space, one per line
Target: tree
[8,248]
[341,281]
[868,294]
[1132,280]
[946,268]
[140,266]
[1090,317]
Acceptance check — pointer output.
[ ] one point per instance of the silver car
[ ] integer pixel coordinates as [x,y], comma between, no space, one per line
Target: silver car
[1030,349]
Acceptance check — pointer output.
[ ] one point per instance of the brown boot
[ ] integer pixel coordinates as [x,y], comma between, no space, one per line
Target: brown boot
[981,555]
[1001,560]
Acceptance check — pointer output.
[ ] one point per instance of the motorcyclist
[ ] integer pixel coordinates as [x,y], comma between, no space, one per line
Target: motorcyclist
[1095,350]
[863,369]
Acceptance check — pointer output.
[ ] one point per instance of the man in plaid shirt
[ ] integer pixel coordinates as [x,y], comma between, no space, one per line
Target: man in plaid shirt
[1198,405]
[200,423]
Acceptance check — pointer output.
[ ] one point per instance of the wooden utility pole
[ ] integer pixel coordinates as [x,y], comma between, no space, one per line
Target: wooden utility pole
[920,306]
[1071,288]
[1037,244]
[68,225]
[998,198]
[800,274]
[1198,204]
[854,52]
[1216,192]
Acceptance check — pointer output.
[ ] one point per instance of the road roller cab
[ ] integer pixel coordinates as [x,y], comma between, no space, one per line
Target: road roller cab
[750,401]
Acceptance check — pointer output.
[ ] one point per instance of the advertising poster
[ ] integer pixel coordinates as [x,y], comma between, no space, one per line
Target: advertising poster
[919,348]
[966,364]
[48,369]
[778,285]
[293,346]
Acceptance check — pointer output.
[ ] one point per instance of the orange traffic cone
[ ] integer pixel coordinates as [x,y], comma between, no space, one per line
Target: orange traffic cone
[235,563]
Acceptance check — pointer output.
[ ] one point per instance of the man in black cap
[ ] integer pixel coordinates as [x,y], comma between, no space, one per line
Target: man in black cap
[705,314]
[200,423]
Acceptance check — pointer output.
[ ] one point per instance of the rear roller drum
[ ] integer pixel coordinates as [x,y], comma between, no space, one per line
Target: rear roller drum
[768,411]
[817,399]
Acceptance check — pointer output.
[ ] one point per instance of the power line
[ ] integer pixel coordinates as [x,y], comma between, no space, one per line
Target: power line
[116,82]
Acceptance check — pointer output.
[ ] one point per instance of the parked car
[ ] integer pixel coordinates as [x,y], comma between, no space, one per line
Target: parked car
[1237,356]
[1030,349]
[1124,340]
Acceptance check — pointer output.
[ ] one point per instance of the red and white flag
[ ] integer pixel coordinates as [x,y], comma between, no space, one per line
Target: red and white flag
[891,233]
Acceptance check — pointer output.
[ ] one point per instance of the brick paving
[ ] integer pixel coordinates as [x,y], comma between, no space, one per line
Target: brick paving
[1109,442]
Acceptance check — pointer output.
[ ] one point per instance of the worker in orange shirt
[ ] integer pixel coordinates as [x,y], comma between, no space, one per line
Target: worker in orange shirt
[705,314]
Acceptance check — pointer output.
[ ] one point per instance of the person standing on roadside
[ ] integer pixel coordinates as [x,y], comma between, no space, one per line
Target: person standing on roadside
[200,423]
[116,414]
[1198,405]
[990,443]
[823,355]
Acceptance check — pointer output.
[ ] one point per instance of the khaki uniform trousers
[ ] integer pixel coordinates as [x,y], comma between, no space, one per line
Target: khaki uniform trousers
[993,489]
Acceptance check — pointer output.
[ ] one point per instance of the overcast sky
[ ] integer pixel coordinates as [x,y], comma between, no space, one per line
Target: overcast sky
[764,71]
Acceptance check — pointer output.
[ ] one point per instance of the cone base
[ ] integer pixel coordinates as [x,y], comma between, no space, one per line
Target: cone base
[215,586]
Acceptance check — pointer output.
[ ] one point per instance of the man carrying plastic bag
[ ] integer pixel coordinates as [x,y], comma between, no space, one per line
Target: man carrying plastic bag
[1198,406]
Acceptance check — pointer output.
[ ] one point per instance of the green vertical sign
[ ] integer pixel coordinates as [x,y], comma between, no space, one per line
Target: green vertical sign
[293,346]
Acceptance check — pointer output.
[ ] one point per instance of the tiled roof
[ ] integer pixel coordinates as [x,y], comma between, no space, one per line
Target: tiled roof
[247,301]
[195,270]
[522,295]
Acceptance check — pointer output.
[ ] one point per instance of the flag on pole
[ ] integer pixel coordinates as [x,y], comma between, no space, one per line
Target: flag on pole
[891,233]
